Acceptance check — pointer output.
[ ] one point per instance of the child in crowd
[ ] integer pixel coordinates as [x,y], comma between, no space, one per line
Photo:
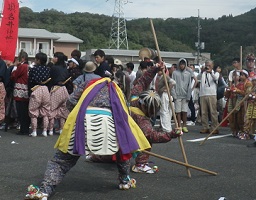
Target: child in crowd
[39,101]
[250,117]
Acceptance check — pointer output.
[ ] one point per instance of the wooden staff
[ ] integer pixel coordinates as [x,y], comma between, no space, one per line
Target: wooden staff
[170,98]
[245,97]
[251,118]
[241,57]
[252,122]
[180,163]
[58,86]
[42,83]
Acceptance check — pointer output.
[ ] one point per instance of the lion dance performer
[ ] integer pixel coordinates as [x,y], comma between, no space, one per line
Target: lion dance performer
[144,105]
[99,123]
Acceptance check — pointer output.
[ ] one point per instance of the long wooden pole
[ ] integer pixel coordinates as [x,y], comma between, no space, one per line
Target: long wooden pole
[241,57]
[180,163]
[245,97]
[170,98]
[252,121]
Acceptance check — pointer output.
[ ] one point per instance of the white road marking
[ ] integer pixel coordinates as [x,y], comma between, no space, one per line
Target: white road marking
[210,138]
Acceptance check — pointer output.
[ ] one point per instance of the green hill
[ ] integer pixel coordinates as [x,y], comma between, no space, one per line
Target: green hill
[223,36]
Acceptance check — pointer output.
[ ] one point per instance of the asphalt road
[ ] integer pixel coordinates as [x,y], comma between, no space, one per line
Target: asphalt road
[23,163]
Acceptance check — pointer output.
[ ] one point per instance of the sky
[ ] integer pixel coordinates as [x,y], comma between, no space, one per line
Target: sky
[134,9]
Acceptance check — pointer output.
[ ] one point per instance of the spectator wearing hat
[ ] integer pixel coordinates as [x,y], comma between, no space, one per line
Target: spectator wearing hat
[103,66]
[88,75]
[72,62]
[74,72]
[118,62]
[77,55]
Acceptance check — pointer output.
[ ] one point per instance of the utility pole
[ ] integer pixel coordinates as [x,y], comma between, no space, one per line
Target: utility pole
[118,35]
[198,44]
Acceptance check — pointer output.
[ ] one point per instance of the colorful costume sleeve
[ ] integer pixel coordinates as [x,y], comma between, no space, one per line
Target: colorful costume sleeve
[144,81]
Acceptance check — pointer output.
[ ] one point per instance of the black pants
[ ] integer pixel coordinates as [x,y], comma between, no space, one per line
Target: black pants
[24,119]
[192,110]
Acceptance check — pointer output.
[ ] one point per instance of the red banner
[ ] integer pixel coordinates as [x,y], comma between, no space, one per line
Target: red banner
[9,29]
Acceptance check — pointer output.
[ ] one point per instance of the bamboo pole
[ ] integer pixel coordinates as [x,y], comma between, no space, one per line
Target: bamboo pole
[180,163]
[252,121]
[241,57]
[245,97]
[169,95]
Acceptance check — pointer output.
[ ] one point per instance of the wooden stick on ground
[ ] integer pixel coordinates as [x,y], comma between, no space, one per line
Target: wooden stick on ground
[245,97]
[170,98]
[180,163]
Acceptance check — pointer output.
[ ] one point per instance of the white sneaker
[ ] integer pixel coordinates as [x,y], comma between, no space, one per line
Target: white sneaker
[44,133]
[50,133]
[33,134]
[190,123]
[142,168]
[60,131]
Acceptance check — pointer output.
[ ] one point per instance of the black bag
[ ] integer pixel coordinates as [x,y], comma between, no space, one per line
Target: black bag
[220,88]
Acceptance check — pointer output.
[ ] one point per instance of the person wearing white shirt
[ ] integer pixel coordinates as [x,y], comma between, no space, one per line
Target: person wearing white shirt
[132,74]
[208,97]
[233,76]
